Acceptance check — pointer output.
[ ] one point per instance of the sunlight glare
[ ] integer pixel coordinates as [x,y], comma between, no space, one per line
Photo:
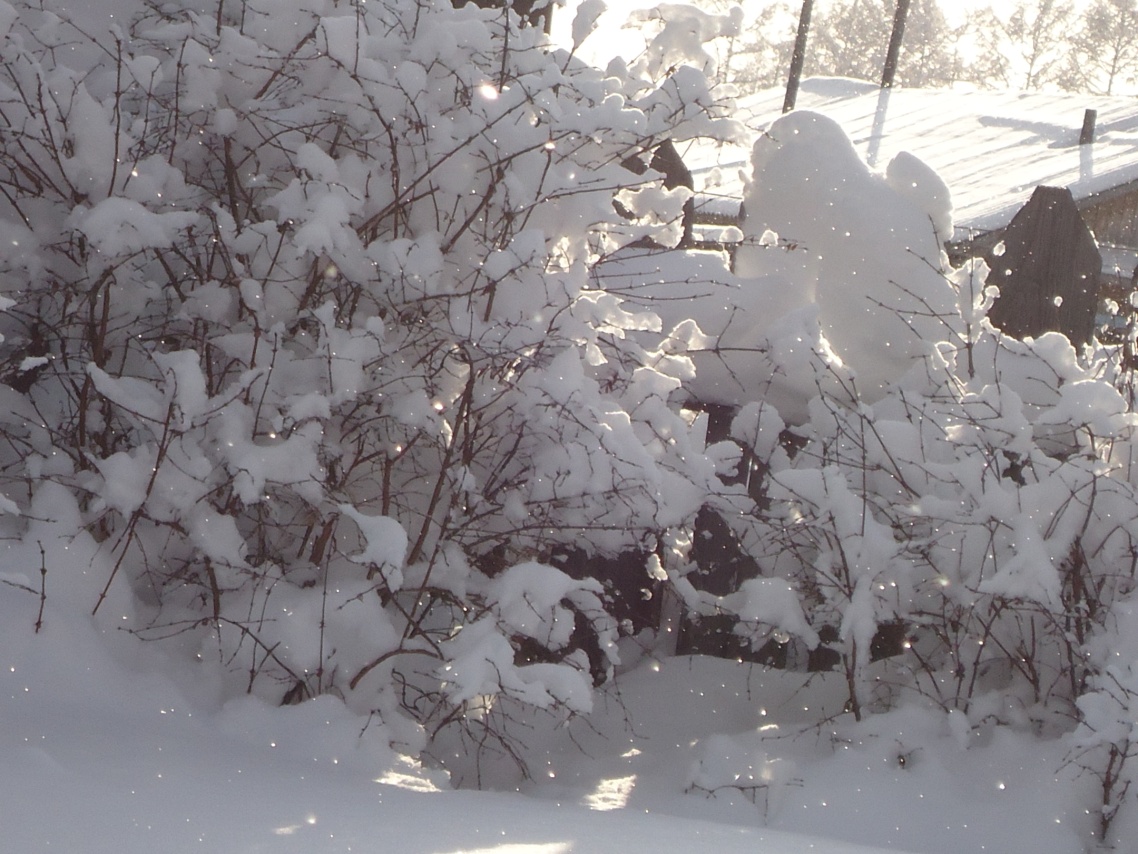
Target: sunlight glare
[524,848]
[611,794]
[410,782]
[290,829]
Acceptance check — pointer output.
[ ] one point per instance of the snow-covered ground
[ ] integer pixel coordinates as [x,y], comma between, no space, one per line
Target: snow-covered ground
[102,751]
[104,755]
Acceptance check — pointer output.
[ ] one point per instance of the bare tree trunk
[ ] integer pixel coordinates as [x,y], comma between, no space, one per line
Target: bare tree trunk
[894,51]
[798,58]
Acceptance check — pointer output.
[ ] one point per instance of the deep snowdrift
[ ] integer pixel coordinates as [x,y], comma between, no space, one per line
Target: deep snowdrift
[102,752]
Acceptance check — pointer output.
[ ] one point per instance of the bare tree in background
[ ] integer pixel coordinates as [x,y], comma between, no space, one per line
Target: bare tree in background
[929,55]
[1104,48]
[851,38]
[1036,36]
[1011,44]
[990,65]
[759,56]
[847,39]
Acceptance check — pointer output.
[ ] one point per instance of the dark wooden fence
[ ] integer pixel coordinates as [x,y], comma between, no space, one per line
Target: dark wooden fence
[1048,270]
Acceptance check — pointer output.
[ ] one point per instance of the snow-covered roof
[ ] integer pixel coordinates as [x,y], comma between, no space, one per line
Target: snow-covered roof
[991,148]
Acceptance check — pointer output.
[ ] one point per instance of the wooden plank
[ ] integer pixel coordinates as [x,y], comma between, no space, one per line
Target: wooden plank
[1048,273]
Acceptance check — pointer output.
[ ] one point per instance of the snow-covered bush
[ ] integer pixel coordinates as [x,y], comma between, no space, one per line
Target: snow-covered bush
[319,346]
[981,510]
[977,490]
[919,482]
[1104,746]
[943,477]
[299,325]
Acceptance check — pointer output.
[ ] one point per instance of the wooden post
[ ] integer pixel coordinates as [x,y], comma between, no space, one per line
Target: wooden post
[798,58]
[894,52]
[1087,134]
[676,174]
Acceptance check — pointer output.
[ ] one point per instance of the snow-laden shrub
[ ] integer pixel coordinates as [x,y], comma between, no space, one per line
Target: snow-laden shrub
[985,511]
[1105,745]
[941,512]
[983,503]
[972,493]
[298,313]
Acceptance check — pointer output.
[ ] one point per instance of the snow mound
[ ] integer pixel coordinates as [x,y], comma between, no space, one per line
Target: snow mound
[865,248]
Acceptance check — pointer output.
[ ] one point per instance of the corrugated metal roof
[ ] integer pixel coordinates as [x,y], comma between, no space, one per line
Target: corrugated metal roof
[991,148]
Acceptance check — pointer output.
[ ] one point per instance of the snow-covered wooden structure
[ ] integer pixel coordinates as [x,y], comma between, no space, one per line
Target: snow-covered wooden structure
[991,148]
